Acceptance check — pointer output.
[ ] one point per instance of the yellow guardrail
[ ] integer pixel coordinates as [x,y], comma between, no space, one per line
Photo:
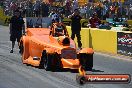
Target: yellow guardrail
[103,40]
[129,22]
[99,40]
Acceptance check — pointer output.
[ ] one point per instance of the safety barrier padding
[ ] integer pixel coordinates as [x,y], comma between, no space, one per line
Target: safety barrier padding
[103,40]
[129,22]
[3,17]
[99,40]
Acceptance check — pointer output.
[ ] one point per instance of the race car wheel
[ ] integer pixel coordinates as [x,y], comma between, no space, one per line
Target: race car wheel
[41,65]
[86,61]
[57,62]
[89,62]
[48,60]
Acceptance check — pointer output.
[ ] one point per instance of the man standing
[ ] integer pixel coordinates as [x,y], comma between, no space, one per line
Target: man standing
[16,27]
[76,27]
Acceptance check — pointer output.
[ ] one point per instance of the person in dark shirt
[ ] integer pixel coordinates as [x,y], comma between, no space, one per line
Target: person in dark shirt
[76,27]
[16,27]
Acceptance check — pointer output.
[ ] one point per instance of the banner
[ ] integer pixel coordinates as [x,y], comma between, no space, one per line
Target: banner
[124,43]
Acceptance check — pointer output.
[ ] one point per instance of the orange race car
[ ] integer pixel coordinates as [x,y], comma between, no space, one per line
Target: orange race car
[52,48]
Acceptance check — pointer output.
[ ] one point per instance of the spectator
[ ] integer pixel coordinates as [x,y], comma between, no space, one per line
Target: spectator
[115,3]
[75,5]
[54,15]
[13,6]
[130,12]
[82,11]
[92,9]
[99,10]
[30,8]
[105,10]
[68,8]
[45,9]
[116,18]
[112,10]
[16,27]
[87,7]
[37,8]
[94,21]
[119,3]
[1,3]
[76,27]
[126,10]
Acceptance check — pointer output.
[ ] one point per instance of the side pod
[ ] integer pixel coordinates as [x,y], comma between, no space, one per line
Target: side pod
[87,51]
[24,43]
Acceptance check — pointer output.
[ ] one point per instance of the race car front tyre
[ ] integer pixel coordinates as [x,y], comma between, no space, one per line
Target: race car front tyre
[47,63]
[48,60]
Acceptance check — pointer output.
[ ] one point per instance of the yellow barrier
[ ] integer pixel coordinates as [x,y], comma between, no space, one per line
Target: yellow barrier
[99,40]
[2,16]
[129,22]
[103,40]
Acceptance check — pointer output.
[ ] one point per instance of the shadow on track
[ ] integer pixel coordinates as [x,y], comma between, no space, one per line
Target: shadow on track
[95,70]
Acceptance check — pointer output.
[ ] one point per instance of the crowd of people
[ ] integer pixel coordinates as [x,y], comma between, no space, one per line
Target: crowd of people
[26,7]
[104,9]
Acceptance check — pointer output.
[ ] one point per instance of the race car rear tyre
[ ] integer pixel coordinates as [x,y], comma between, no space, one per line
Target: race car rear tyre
[86,61]
[89,62]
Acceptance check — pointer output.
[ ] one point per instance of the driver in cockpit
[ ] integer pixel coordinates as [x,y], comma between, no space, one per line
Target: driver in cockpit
[58,29]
